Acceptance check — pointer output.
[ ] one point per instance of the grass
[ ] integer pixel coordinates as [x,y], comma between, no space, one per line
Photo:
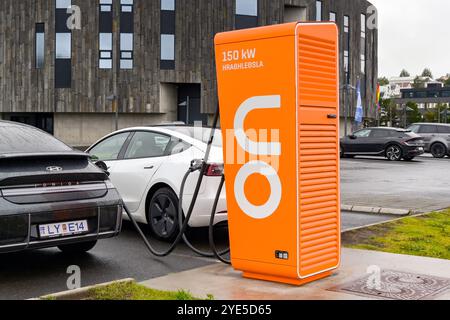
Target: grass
[427,235]
[134,291]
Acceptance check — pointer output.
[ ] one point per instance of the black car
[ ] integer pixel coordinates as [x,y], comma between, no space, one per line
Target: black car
[392,143]
[52,195]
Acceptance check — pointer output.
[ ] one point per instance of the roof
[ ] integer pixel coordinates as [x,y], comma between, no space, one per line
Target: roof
[388,128]
[4,124]
[432,124]
[271,31]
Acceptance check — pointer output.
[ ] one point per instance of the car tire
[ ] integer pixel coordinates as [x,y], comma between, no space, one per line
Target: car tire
[394,153]
[341,152]
[438,150]
[162,214]
[77,248]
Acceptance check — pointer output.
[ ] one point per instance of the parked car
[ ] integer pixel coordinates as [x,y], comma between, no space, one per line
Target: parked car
[392,143]
[436,137]
[51,195]
[147,165]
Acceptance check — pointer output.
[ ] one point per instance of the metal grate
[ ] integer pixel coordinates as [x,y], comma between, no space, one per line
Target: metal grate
[319,217]
[317,72]
[397,285]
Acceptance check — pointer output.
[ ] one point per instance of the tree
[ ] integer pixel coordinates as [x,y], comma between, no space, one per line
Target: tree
[404,74]
[419,83]
[427,73]
[389,112]
[383,81]
[414,114]
[447,82]
[430,116]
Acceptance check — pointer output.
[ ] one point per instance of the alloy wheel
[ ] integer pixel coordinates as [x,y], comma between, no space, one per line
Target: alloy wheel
[394,153]
[163,215]
[438,150]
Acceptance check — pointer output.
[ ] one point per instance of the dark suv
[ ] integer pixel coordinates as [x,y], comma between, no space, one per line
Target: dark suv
[436,137]
[392,143]
[52,195]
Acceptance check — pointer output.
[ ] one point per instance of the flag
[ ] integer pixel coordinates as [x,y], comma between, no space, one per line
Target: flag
[359,107]
[378,102]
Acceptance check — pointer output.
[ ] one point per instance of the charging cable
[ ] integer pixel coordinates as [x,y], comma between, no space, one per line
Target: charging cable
[196,165]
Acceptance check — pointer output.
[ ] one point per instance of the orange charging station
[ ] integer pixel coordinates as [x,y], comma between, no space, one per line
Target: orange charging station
[279,109]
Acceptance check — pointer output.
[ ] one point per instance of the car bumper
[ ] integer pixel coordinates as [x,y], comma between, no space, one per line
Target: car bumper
[413,151]
[201,215]
[19,224]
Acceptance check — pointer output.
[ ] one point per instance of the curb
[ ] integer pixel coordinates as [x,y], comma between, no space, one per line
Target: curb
[377,210]
[80,294]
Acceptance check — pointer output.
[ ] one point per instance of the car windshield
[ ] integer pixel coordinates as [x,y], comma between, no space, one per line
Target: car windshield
[23,139]
[200,134]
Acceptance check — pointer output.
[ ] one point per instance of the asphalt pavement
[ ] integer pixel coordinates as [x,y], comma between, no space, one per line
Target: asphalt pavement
[421,185]
[31,274]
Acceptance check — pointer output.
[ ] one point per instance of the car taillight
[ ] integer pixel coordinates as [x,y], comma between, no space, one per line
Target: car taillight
[214,170]
[414,143]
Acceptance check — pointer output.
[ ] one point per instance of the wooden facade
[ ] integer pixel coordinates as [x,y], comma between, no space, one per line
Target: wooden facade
[25,89]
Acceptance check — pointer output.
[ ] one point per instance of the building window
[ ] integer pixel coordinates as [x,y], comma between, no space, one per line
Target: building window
[333,16]
[126,34]
[105,37]
[40,45]
[318,10]
[347,48]
[168,30]
[246,14]
[363,54]
[63,45]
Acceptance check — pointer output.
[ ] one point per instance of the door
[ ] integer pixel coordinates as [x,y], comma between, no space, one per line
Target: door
[143,156]
[444,133]
[378,139]
[428,132]
[109,149]
[359,142]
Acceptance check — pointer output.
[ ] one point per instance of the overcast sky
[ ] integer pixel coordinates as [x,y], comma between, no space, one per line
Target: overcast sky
[413,34]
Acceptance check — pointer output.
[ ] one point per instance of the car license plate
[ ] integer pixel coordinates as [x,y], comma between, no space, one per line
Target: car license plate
[63,229]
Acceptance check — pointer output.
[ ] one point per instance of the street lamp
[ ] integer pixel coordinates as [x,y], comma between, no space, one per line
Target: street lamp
[346,87]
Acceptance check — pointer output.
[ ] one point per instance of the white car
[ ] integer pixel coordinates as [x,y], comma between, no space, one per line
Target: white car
[147,166]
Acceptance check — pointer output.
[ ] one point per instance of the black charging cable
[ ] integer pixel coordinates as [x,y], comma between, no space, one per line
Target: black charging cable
[212,244]
[180,219]
[201,166]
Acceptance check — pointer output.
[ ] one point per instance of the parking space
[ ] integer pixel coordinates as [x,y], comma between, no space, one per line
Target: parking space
[421,185]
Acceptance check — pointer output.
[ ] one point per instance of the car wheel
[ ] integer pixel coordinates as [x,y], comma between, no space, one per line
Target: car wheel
[341,152]
[75,248]
[438,150]
[163,214]
[394,153]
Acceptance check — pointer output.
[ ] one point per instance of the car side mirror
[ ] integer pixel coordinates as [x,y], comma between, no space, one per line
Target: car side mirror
[103,167]
[353,137]
[93,158]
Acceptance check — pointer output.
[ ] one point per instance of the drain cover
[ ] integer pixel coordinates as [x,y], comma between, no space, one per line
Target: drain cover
[398,286]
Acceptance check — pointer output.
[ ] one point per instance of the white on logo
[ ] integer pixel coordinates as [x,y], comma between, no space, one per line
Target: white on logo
[74,281]
[257,167]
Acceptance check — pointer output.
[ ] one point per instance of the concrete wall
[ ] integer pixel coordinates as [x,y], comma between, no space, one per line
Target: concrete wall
[80,130]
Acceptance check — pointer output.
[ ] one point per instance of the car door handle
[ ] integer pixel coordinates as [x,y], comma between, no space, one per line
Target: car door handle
[149,167]
[332,116]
